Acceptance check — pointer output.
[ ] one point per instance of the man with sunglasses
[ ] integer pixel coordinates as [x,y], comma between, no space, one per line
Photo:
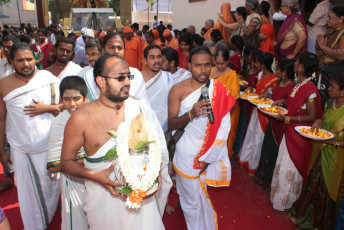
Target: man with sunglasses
[87,127]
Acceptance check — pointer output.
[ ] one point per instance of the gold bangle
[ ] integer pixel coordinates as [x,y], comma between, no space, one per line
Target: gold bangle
[299,119]
[287,120]
[190,117]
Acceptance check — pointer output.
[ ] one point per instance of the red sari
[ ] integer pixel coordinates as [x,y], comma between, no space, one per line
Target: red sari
[299,147]
[45,49]
[183,59]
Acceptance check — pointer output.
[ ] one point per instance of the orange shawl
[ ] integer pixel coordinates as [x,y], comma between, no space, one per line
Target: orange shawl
[227,18]
[267,45]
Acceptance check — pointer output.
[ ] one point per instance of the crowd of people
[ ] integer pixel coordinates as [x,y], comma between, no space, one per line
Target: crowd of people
[60,93]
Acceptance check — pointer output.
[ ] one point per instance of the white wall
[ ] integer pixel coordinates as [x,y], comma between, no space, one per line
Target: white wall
[196,13]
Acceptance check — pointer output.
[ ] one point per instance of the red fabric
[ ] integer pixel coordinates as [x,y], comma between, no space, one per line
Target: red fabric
[286,27]
[183,59]
[46,49]
[236,63]
[279,93]
[299,147]
[262,86]
[221,103]
[267,45]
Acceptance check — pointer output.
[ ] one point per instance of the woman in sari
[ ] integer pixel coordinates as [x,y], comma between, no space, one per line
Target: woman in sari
[266,36]
[236,59]
[41,46]
[226,18]
[228,77]
[320,198]
[185,45]
[285,72]
[251,149]
[234,27]
[292,36]
[304,107]
[247,107]
[330,51]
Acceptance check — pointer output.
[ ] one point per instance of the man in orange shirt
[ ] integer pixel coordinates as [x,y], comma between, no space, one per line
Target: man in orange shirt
[209,26]
[170,40]
[157,40]
[133,48]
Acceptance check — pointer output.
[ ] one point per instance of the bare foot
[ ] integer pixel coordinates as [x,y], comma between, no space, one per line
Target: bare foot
[169,209]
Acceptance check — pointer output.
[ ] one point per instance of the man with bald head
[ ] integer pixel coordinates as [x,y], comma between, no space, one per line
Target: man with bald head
[170,40]
[209,26]
[87,127]
[109,29]
[120,30]
[192,29]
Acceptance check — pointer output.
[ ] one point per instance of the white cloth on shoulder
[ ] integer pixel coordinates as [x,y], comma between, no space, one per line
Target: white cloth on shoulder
[71,69]
[158,89]
[180,75]
[28,136]
[114,211]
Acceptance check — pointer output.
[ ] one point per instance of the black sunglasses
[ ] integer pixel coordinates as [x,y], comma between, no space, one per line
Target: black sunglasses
[121,78]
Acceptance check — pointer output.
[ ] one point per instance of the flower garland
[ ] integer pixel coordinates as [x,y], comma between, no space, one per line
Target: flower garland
[139,187]
[292,95]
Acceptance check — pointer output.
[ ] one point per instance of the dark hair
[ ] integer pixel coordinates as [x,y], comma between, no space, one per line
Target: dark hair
[264,7]
[198,50]
[187,38]
[71,34]
[5,32]
[145,27]
[65,40]
[13,38]
[99,68]
[286,64]
[266,59]
[310,63]
[93,42]
[112,35]
[149,47]
[204,29]
[60,33]
[238,41]
[255,54]
[242,12]
[247,51]
[73,82]
[43,31]
[54,25]
[338,11]
[171,55]
[149,34]
[25,38]
[135,26]
[216,35]
[223,53]
[222,46]
[20,46]
[334,71]
[198,39]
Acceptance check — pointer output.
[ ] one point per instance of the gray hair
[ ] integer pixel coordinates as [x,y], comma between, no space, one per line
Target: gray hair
[209,44]
[252,3]
[210,22]
[292,3]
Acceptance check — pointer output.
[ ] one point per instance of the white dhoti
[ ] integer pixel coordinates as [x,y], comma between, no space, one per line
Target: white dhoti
[137,85]
[194,199]
[28,137]
[158,89]
[72,188]
[252,146]
[105,211]
[71,69]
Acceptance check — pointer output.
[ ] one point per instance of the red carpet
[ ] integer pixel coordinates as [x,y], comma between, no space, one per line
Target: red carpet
[243,206]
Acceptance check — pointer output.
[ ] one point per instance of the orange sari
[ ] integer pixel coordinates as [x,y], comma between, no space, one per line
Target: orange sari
[227,18]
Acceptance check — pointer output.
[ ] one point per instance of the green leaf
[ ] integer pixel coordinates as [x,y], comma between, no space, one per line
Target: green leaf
[112,132]
[142,144]
[111,153]
[124,190]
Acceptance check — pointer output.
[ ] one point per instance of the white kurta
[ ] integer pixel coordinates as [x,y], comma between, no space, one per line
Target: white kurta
[114,214]
[197,207]
[28,137]
[158,89]
[71,69]
[137,85]
[180,75]
[72,188]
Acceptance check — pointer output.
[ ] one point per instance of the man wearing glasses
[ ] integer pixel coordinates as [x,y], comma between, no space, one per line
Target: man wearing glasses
[104,207]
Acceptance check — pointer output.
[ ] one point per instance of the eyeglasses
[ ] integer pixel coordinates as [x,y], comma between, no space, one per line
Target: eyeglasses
[121,78]
[92,55]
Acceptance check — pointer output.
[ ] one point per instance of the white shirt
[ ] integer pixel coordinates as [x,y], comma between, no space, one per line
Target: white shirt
[5,68]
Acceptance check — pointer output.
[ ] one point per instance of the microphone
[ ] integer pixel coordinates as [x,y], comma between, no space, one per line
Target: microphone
[205,94]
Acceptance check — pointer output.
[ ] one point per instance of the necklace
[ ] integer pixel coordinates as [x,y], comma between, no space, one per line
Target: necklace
[26,81]
[116,108]
[292,95]
[60,67]
[285,84]
[334,106]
